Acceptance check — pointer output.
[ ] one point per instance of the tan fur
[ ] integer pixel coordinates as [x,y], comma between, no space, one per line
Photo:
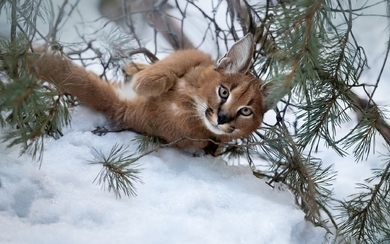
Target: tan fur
[134,68]
[175,97]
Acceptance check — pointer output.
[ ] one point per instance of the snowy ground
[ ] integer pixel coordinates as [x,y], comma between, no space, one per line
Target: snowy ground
[183,199]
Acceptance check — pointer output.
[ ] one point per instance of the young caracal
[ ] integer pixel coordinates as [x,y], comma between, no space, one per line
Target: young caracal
[186,94]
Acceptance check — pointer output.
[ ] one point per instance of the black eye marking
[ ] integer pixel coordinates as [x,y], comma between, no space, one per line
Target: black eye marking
[223,92]
[245,111]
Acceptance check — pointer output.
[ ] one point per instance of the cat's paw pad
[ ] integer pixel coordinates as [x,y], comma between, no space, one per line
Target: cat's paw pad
[153,84]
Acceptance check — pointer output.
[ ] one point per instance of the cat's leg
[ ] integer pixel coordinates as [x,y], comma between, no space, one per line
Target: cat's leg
[162,76]
[153,81]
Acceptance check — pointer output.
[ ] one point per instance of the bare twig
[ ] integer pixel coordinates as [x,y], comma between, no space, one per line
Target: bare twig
[146,52]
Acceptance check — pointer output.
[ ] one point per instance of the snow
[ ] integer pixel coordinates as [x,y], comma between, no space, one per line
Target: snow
[183,199]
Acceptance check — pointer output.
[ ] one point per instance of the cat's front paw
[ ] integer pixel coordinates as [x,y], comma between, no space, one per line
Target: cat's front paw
[153,83]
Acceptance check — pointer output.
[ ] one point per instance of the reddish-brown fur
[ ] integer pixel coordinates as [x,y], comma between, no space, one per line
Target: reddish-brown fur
[175,97]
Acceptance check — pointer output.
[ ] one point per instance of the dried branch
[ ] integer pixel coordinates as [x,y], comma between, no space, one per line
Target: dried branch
[146,52]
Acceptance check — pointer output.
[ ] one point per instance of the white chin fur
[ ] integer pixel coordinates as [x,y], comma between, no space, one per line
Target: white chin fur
[125,91]
[213,128]
[201,106]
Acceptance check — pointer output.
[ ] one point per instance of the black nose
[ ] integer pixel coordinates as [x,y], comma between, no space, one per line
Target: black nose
[223,118]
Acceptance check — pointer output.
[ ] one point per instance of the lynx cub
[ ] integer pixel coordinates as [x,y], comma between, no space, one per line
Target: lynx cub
[185,94]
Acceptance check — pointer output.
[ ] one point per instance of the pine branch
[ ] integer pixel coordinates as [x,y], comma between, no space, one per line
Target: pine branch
[367,113]
[304,187]
[322,97]
[49,116]
[119,172]
[368,212]
[32,114]
[13,20]
[13,33]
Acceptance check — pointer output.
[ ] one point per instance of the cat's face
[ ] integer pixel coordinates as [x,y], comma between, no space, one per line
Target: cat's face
[230,105]
[231,99]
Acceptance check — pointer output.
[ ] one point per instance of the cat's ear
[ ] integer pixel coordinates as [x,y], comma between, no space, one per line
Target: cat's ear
[272,94]
[238,58]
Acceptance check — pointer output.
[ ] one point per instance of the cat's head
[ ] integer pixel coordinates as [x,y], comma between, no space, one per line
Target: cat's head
[232,100]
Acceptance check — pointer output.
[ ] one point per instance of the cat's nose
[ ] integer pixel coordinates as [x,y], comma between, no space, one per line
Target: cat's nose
[223,118]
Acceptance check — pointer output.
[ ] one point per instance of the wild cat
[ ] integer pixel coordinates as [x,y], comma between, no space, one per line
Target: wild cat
[186,94]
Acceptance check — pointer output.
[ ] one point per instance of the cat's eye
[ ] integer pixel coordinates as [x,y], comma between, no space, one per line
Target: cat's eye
[223,92]
[245,111]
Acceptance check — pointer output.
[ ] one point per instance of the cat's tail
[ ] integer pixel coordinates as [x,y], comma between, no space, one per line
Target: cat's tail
[71,78]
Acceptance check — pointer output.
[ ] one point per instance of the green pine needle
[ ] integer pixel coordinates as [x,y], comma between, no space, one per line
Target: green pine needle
[119,173]
[146,142]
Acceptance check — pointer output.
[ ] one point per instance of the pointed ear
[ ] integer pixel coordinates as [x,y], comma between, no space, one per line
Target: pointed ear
[268,102]
[273,92]
[238,59]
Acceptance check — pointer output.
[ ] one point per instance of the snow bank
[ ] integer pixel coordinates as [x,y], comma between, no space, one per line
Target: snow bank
[183,199]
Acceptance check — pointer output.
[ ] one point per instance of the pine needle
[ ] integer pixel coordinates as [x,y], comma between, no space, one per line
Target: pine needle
[119,173]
